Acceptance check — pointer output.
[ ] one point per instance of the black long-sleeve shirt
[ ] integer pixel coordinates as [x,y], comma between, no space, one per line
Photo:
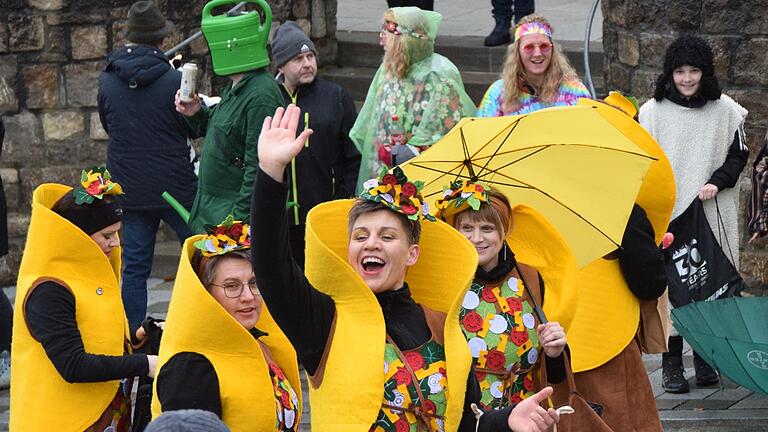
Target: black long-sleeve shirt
[305,315]
[640,259]
[50,316]
[728,174]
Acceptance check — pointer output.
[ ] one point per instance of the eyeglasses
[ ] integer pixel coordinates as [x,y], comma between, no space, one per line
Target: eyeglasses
[390,27]
[235,289]
[544,47]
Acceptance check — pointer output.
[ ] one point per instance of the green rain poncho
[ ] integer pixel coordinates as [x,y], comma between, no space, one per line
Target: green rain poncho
[428,102]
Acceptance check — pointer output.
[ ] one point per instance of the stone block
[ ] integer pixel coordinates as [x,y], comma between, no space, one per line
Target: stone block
[8,68]
[754,266]
[755,100]
[619,77]
[3,37]
[644,83]
[92,152]
[82,83]
[751,63]
[645,14]
[10,176]
[88,42]
[42,84]
[301,8]
[26,33]
[118,34]
[199,47]
[18,223]
[722,48]
[97,131]
[331,9]
[629,49]
[48,5]
[318,19]
[32,177]
[615,12]
[652,49]
[62,125]
[610,43]
[684,14]
[61,152]
[305,25]
[56,41]
[742,17]
[22,143]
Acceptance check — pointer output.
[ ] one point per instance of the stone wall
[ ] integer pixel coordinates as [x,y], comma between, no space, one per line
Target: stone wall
[635,36]
[51,54]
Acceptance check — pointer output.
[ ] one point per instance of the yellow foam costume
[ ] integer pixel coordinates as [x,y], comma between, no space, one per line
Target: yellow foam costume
[438,281]
[59,251]
[197,323]
[607,313]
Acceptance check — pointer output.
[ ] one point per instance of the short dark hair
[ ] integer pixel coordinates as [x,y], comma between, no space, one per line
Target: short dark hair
[361,206]
[206,268]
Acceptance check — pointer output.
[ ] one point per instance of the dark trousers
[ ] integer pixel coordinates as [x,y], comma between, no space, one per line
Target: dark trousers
[512,8]
[6,322]
[138,240]
[421,4]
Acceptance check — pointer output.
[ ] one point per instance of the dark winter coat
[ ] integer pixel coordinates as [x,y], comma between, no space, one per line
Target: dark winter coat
[148,152]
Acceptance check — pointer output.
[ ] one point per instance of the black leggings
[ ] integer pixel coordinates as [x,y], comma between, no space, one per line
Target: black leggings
[6,322]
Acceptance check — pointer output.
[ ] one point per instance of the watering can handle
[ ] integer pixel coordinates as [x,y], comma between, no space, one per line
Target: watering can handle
[262,4]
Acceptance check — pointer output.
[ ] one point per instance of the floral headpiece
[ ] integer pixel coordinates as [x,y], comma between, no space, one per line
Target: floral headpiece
[397,29]
[396,192]
[460,196]
[534,27]
[229,236]
[95,183]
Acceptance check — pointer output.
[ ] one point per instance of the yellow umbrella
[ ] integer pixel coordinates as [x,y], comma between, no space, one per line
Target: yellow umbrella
[570,164]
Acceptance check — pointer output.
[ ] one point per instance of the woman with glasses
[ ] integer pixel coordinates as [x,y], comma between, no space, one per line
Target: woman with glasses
[221,351]
[415,98]
[536,74]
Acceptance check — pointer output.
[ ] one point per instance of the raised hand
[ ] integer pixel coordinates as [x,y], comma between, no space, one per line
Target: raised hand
[529,416]
[278,144]
[552,338]
[187,109]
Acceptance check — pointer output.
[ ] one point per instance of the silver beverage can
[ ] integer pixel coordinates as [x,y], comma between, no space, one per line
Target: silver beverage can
[188,82]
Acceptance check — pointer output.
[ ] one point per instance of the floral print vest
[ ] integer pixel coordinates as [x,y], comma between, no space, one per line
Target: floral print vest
[286,400]
[414,394]
[500,326]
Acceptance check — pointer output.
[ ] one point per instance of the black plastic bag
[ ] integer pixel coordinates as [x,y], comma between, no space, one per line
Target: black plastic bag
[697,267]
[142,413]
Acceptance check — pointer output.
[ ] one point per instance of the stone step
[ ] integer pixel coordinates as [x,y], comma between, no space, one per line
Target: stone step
[361,49]
[356,81]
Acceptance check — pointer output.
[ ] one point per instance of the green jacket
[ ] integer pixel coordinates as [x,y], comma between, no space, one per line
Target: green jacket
[229,159]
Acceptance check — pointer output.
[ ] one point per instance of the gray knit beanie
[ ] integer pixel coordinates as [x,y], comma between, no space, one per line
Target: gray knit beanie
[288,42]
[191,420]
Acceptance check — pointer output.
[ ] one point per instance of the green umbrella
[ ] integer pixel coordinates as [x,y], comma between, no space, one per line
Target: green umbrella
[731,335]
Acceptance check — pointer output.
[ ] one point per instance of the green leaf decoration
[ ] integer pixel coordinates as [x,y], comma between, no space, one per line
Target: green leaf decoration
[84,176]
[419,185]
[474,203]
[433,353]
[106,175]
[400,175]
[228,221]
[82,197]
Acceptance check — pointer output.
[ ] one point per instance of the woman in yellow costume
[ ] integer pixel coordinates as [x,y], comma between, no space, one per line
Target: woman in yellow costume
[380,352]
[500,312]
[71,349]
[221,351]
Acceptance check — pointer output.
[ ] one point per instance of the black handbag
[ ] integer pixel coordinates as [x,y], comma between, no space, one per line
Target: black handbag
[697,267]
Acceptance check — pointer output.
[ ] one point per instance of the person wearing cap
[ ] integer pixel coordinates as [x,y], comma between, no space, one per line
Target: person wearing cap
[229,161]
[147,140]
[415,98]
[536,74]
[235,363]
[379,292]
[701,130]
[71,345]
[327,167]
[501,313]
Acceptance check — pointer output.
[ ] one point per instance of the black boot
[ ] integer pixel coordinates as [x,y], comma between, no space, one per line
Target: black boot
[705,374]
[500,34]
[673,377]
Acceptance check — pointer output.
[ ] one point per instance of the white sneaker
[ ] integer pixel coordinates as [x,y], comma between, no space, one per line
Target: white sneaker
[5,370]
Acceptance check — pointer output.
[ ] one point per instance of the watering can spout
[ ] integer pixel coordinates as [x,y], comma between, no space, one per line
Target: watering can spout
[180,209]
[238,43]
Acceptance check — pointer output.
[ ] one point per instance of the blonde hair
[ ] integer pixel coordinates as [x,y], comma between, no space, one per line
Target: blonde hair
[559,70]
[395,59]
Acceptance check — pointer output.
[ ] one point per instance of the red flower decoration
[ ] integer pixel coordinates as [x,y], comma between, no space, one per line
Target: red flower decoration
[518,337]
[480,375]
[402,376]
[236,231]
[220,230]
[528,384]
[94,188]
[402,426]
[472,321]
[515,398]
[415,360]
[487,295]
[495,360]
[409,209]
[285,399]
[479,188]
[514,304]
[409,189]
[277,371]
[389,179]
[429,406]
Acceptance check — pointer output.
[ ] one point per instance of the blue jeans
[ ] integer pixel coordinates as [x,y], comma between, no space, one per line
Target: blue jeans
[138,241]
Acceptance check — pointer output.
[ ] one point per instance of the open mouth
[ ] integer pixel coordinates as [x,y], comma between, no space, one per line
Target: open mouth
[372,265]
[246,310]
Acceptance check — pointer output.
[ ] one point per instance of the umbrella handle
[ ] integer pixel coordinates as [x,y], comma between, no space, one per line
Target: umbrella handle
[180,209]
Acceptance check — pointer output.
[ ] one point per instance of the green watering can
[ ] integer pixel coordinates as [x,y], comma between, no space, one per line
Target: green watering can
[237,43]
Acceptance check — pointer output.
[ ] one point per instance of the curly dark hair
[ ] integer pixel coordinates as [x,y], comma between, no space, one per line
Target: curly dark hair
[691,51]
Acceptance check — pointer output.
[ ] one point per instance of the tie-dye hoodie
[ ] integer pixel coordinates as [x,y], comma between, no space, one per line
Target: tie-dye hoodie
[492,105]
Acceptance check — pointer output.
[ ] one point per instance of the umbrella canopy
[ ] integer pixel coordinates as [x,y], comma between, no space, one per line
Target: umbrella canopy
[571,164]
[731,335]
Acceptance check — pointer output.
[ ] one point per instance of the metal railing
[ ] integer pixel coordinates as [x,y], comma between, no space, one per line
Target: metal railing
[587,34]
